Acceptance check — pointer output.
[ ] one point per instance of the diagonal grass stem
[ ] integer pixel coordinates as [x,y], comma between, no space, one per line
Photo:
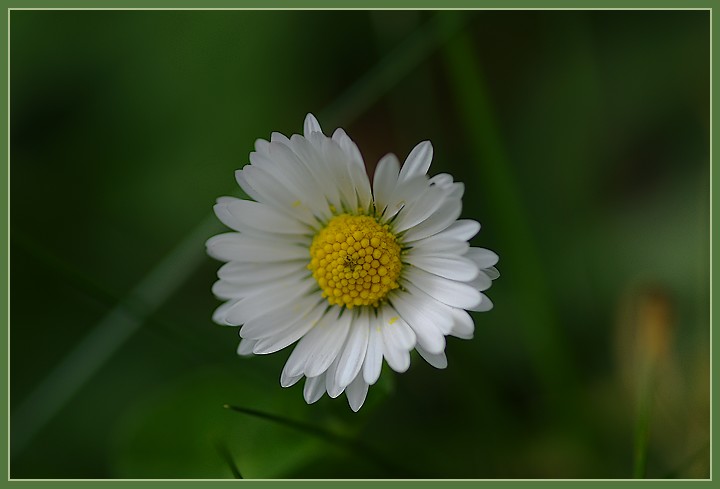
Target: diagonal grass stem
[224,452]
[353,445]
[106,337]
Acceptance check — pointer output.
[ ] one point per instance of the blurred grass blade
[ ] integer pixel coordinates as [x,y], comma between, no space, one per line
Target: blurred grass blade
[391,69]
[71,276]
[224,451]
[520,260]
[296,425]
[653,325]
[84,284]
[642,426]
[350,444]
[106,337]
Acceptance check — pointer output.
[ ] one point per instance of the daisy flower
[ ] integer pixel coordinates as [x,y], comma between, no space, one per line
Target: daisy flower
[352,273]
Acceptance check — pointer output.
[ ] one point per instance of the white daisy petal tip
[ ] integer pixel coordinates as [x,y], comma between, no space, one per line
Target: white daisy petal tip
[311,125]
[261,145]
[418,161]
[349,272]
[314,389]
[492,272]
[245,348]
[356,393]
[224,200]
[288,380]
[437,360]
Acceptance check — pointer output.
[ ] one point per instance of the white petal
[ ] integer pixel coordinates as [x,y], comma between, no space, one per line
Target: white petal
[374,355]
[279,192]
[333,388]
[398,360]
[348,146]
[437,360]
[481,282]
[482,257]
[314,388]
[395,330]
[289,335]
[333,334]
[257,194]
[492,272]
[297,360]
[338,164]
[385,180]
[318,348]
[351,359]
[438,245]
[278,137]
[439,313]
[398,340]
[266,300]
[283,162]
[251,273]
[440,220]
[418,161]
[238,247]
[463,326]
[463,229]
[361,182]
[422,208]
[356,393]
[451,240]
[450,292]
[429,336]
[287,380]
[485,304]
[454,268]
[311,125]
[457,190]
[225,289]
[246,187]
[443,180]
[279,174]
[404,194]
[245,347]
[280,318]
[220,314]
[309,157]
[261,146]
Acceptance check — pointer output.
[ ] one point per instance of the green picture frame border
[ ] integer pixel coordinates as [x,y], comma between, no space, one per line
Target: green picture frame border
[10,6]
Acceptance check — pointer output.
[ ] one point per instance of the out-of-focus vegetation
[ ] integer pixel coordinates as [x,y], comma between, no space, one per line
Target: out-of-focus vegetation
[583,141]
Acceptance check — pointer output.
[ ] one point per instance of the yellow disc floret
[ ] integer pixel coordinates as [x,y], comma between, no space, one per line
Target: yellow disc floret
[355,260]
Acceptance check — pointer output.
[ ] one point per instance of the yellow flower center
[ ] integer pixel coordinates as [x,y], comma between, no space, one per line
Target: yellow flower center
[355,260]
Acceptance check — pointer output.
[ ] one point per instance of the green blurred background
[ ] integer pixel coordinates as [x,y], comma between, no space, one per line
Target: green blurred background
[583,141]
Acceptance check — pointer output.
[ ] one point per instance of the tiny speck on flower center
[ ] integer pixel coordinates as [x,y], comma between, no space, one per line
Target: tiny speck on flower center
[355,261]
